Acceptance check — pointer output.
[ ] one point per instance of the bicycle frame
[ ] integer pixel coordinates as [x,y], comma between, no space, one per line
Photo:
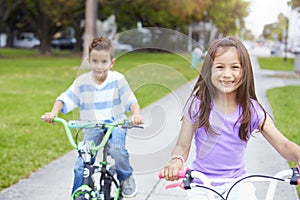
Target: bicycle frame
[90,170]
[188,176]
[87,150]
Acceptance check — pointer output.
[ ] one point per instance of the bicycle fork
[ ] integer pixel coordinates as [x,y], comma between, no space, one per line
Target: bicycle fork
[107,179]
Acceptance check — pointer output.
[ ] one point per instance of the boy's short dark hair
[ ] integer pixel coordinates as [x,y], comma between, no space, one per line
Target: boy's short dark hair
[102,43]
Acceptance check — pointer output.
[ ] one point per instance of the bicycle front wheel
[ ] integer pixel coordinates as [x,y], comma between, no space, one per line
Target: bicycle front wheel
[107,188]
[84,193]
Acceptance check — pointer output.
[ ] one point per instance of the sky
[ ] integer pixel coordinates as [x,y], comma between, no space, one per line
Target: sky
[264,12]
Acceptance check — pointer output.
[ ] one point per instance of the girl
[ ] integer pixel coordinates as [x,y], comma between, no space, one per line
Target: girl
[220,114]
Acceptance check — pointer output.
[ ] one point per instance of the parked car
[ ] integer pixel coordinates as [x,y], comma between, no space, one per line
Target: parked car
[119,47]
[26,40]
[277,49]
[295,48]
[3,38]
[63,43]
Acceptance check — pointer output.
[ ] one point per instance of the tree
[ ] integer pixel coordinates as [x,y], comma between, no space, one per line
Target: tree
[177,14]
[6,24]
[295,3]
[153,13]
[47,16]
[275,31]
[90,24]
[225,15]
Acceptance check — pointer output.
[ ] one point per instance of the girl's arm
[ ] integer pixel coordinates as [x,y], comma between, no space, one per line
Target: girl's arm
[287,149]
[182,148]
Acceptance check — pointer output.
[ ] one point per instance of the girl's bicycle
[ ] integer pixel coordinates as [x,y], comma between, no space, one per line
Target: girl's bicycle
[91,188]
[290,176]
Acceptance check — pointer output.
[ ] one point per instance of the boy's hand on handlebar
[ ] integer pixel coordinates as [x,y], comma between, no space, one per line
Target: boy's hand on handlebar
[170,171]
[48,117]
[136,120]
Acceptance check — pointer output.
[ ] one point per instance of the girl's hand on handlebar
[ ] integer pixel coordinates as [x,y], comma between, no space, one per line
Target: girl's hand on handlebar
[170,171]
[136,120]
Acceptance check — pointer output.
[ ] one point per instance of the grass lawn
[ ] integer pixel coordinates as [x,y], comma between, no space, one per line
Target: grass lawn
[29,84]
[286,110]
[276,63]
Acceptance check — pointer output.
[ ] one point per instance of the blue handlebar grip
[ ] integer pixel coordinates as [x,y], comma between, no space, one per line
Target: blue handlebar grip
[72,124]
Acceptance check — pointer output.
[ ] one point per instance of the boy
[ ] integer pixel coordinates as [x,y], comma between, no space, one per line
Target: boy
[102,94]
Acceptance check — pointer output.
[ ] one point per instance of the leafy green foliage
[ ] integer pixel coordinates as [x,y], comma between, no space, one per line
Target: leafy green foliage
[295,3]
[47,17]
[226,14]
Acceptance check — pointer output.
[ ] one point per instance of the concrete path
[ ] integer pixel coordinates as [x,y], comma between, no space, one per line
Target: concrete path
[150,149]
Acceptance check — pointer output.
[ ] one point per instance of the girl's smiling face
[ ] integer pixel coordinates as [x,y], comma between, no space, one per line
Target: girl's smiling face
[100,62]
[226,71]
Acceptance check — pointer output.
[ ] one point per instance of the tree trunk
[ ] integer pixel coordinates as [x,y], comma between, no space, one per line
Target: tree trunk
[90,25]
[45,35]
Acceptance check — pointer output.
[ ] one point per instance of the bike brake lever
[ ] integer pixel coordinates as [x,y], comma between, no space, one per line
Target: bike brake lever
[174,185]
[131,126]
[128,125]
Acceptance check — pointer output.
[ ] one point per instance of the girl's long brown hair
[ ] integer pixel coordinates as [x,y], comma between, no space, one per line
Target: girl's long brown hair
[205,91]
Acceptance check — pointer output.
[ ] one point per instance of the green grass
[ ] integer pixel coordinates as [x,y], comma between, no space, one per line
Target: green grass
[276,63]
[29,84]
[285,106]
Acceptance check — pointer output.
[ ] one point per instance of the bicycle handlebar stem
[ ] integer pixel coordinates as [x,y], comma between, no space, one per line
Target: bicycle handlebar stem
[188,179]
[68,132]
[295,179]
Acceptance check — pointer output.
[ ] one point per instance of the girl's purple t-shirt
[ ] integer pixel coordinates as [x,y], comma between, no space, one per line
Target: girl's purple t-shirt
[221,155]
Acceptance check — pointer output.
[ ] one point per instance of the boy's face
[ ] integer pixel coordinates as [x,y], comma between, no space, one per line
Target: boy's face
[100,62]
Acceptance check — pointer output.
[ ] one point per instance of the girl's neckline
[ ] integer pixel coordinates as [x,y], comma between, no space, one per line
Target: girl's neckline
[232,112]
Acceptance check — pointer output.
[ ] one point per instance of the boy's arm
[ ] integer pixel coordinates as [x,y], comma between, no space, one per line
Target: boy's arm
[136,118]
[57,107]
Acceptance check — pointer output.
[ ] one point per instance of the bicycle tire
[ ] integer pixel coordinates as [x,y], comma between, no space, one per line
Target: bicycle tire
[107,188]
[84,193]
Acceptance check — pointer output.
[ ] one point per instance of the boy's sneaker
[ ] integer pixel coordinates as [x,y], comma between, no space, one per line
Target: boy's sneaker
[128,187]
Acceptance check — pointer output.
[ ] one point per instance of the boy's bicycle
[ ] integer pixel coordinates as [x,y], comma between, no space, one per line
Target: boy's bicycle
[90,189]
[290,176]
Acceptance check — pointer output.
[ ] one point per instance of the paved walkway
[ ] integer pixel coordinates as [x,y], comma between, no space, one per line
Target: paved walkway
[150,149]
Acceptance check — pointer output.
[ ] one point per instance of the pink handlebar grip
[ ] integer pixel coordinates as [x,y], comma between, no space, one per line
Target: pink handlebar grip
[160,175]
[181,174]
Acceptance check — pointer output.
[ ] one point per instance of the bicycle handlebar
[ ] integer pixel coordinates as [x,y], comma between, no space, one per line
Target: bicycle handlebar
[126,124]
[188,175]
